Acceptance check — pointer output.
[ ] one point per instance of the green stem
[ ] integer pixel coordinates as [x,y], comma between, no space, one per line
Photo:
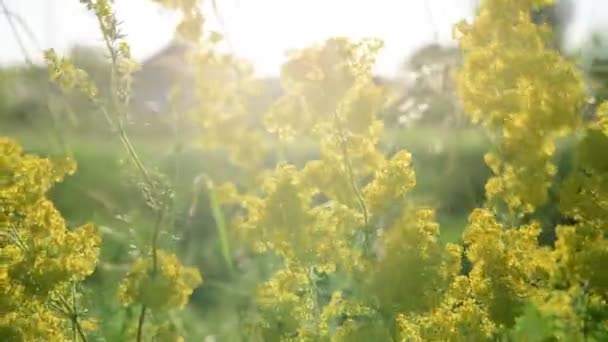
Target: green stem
[314,293]
[132,153]
[126,142]
[71,311]
[349,169]
[140,324]
[15,235]
[351,176]
[74,312]
[220,224]
[79,330]
[155,234]
[74,332]
[117,107]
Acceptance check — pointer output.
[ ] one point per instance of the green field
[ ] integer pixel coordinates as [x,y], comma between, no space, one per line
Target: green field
[450,175]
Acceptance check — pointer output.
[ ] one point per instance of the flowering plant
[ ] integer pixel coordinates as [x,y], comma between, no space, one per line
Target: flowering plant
[359,259]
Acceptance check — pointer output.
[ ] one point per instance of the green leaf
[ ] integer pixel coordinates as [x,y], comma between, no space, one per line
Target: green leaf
[532,326]
[220,223]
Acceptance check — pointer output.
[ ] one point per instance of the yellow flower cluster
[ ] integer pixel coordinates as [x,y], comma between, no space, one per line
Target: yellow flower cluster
[331,221]
[353,268]
[391,182]
[458,318]
[581,249]
[163,286]
[514,84]
[158,282]
[323,83]
[602,114]
[411,243]
[285,303]
[507,263]
[70,78]
[41,257]
[67,76]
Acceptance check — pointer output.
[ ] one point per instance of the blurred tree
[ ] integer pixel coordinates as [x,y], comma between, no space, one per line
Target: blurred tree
[559,17]
[24,93]
[28,98]
[594,60]
[429,96]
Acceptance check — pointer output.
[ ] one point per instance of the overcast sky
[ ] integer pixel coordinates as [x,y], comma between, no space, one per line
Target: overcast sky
[262,30]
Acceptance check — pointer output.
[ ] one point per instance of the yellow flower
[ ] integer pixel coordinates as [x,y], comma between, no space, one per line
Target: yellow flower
[514,84]
[391,182]
[166,287]
[41,257]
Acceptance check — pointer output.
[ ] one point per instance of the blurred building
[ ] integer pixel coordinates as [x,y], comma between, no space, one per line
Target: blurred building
[159,75]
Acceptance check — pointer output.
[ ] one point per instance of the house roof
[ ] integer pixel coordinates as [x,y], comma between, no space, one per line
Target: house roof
[173,56]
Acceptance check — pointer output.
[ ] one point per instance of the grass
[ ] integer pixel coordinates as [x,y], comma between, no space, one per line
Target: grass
[449,169]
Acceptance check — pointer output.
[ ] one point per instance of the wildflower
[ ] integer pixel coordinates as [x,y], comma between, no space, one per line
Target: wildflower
[165,287]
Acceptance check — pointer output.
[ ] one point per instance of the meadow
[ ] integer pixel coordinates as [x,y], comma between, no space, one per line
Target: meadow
[239,212]
[450,177]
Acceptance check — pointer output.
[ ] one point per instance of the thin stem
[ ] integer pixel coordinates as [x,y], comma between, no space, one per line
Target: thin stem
[351,176]
[159,218]
[220,20]
[17,239]
[133,154]
[114,77]
[118,107]
[24,26]
[155,234]
[121,130]
[349,169]
[53,304]
[126,142]
[11,23]
[314,293]
[80,332]
[140,324]
[77,314]
[74,313]
[220,224]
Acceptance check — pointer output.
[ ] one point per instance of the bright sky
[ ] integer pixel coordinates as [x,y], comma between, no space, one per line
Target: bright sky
[262,30]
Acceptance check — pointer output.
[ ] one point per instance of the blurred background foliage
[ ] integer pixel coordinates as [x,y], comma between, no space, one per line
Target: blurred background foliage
[424,117]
